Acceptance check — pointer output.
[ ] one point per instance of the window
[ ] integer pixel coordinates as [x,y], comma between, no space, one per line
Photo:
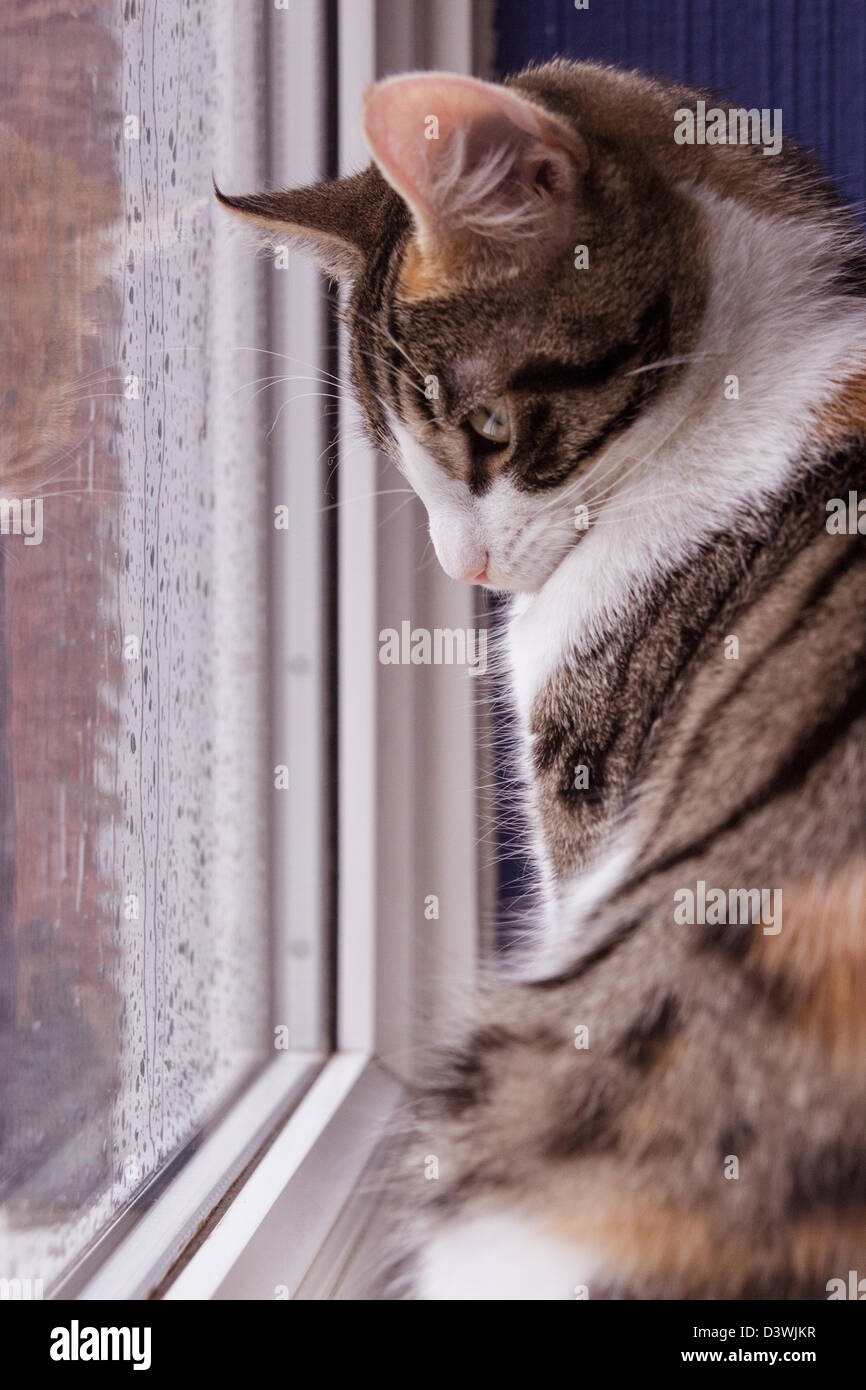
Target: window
[147,981]
[219,824]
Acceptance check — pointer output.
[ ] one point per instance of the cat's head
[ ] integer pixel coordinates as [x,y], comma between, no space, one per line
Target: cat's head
[514,277]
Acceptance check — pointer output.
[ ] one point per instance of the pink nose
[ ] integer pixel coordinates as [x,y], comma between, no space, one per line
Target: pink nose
[474,576]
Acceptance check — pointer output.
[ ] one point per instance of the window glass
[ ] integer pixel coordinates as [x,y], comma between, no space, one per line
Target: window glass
[135,772]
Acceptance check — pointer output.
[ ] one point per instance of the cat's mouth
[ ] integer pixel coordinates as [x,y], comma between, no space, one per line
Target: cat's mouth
[509,581]
[527,569]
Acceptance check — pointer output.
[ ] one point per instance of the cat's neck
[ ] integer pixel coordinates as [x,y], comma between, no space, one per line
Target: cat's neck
[775,350]
[590,729]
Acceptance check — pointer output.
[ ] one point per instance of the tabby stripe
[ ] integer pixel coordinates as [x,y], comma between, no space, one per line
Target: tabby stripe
[591,959]
[830,1175]
[479,477]
[821,590]
[397,363]
[643,1040]
[694,635]
[641,392]
[793,772]
[818,743]
[548,375]
[624,417]
[590,1128]
[367,326]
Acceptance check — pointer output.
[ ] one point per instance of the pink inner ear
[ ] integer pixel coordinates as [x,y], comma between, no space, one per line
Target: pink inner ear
[403,116]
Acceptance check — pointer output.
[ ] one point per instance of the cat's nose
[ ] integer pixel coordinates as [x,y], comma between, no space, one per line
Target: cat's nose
[474,575]
[461,553]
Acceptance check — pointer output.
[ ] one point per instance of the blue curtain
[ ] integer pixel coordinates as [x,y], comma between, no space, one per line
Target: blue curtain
[807,57]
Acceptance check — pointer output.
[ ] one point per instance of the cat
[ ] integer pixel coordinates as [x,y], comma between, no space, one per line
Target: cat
[648,362]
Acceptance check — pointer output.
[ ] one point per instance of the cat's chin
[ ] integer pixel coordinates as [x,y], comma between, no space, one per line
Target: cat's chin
[514,585]
[496,584]
[510,584]
[527,583]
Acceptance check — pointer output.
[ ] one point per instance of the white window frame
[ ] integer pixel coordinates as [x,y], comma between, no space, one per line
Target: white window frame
[269,1206]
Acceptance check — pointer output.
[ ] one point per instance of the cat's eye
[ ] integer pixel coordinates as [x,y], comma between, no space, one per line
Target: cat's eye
[490,420]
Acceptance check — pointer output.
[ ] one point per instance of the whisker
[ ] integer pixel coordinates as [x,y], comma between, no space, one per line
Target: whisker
[319,395]
[273,380]
[290,358]
[672,362]
[365,497]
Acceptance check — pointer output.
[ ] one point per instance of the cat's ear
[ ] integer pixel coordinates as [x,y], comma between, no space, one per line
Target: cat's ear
[478,164]
[332,222]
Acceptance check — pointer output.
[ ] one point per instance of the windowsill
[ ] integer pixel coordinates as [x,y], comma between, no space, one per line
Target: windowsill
[272,1242]
[182,1216]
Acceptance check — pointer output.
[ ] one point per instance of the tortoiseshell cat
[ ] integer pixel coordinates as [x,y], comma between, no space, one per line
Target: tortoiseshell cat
[649,425]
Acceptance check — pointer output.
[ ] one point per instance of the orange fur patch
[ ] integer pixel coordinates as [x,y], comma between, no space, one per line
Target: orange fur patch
[429,271]
[419,277]
[692,1252]
[846,413]
[821,952]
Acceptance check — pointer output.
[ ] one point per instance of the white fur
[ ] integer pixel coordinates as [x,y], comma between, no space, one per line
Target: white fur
[503,1256]
[565,936]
